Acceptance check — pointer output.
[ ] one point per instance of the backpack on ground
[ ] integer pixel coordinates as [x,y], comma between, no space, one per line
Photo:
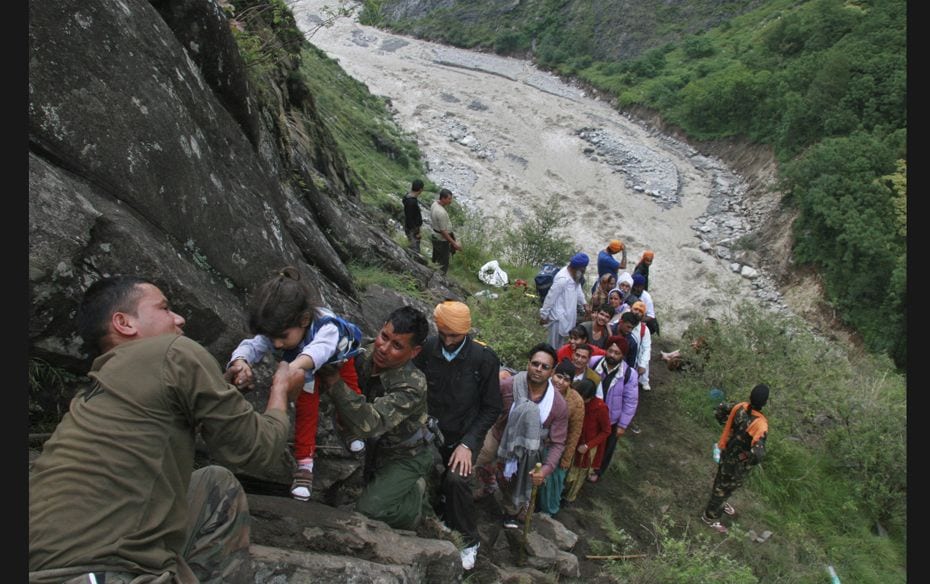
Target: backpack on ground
[544,279]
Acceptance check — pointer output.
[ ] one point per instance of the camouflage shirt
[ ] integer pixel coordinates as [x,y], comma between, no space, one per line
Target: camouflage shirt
[390,413]
[743,438]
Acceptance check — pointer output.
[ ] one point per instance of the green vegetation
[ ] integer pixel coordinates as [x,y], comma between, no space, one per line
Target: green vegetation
[50,390]
[855,403]
[822,81]
[367,275]
[693,558]
[266,34]
[383,158]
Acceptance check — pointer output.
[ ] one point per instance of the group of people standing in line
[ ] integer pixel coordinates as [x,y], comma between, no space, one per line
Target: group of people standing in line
[114,495]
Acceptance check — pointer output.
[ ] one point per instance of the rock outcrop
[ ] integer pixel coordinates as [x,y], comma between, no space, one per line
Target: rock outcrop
[152,151]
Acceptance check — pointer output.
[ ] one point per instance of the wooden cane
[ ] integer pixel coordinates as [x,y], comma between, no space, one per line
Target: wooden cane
[529,510]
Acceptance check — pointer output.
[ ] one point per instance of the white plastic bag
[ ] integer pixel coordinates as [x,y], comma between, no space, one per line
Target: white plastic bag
[491,273]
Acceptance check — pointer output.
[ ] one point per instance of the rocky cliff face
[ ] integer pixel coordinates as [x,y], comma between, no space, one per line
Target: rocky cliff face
[153,151]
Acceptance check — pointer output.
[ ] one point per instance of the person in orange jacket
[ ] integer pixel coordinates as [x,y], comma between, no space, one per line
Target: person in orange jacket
[742,446]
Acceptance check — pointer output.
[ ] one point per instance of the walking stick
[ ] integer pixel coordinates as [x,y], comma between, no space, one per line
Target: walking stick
[529,512]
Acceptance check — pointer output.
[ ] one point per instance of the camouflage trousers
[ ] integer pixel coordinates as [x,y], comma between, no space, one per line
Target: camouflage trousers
[217,546]
[730,476]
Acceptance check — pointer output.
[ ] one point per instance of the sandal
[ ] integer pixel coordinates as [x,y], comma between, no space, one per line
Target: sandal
[593,478]
[302,485]
[729,510]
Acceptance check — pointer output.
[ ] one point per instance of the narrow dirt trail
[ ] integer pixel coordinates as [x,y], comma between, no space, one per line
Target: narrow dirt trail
[502,135]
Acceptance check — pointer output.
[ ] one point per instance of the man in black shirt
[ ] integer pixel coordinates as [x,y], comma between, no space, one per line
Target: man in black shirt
[463,394]
[412,217]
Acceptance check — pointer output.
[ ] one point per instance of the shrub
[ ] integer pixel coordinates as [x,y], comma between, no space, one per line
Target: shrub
[540,238]
[509,324]
[684,560]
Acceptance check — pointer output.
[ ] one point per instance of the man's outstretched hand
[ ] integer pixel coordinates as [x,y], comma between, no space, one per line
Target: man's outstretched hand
[288,379]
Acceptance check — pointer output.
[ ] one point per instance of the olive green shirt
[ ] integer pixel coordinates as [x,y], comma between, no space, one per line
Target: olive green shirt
[109,488]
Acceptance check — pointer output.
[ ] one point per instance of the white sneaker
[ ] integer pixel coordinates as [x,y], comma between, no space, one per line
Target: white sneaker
[469,555]
[646,387]
[356,446]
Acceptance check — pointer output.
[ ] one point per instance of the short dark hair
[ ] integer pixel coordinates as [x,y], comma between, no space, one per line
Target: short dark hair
[544,348]
[579,331]
[630,317]
[408,319]
[416,185]
[101,299]
[584,347]
[605,308]
[280,303]
[585,388]
[444,193]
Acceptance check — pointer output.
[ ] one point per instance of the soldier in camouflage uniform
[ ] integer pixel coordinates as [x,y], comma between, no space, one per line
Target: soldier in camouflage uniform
[742,446]
[390,415]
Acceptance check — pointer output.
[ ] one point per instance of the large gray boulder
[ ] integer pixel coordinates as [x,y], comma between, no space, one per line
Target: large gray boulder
[150,153]
[344,543]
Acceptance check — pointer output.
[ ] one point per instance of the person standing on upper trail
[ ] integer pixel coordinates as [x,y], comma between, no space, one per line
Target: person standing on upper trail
[444,242]
[413,219]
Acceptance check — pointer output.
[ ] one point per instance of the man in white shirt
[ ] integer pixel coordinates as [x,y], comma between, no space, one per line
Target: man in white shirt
[443,239]
[559,311]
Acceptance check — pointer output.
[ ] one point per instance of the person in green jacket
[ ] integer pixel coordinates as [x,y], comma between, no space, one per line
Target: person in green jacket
[114,496]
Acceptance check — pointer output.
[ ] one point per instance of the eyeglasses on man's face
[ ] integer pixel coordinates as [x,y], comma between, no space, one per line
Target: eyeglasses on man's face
[541,365]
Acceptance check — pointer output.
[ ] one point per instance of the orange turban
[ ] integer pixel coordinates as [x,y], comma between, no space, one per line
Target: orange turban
[648,255]
[639,307]
[453,316]
[614,246]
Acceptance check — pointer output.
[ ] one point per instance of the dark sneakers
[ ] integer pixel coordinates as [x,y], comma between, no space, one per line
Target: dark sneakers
[510,522]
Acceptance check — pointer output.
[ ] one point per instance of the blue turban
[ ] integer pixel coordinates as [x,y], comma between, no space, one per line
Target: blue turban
[639,280]
[579,260]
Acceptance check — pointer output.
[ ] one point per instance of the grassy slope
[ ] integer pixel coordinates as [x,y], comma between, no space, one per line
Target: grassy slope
[383,158]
